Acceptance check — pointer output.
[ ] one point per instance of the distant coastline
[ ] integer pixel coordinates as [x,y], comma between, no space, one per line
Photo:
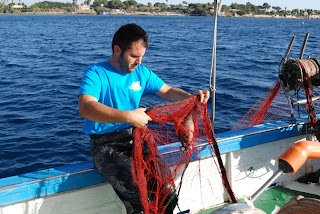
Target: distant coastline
[221,15]
[169,13]
[158,9]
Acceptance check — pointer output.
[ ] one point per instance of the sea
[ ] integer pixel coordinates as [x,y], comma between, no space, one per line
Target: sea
[42,59]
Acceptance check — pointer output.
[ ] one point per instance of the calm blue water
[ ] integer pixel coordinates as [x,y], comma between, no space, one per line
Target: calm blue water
[42,58]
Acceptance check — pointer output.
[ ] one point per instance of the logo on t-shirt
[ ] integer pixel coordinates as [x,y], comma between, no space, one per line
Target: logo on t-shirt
[135,86]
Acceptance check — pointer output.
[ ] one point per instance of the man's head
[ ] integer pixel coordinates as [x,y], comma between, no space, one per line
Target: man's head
[127,34]
[129,45]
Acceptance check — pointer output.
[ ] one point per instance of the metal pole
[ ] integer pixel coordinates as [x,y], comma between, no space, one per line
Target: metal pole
[286,90]
[213,64]
[304,45]
[289,47]
[266,185]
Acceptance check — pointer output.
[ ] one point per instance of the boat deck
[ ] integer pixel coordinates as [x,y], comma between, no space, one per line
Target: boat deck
[271,198]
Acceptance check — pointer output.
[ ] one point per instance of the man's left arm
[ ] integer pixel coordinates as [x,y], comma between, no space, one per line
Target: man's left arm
[174,94]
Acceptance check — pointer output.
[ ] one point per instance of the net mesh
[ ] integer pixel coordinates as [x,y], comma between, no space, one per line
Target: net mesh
[186,121]
[271,106]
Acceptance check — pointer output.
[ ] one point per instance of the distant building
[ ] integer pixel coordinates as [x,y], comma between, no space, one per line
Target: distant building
[84,7]
[268,10]
[17,6]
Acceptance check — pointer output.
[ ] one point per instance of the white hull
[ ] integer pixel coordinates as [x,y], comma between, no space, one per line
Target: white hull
[91,200]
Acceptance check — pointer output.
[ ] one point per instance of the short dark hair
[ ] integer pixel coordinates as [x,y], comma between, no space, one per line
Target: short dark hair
[127,34]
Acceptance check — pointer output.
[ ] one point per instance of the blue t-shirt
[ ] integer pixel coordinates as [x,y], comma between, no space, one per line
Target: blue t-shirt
[116,89]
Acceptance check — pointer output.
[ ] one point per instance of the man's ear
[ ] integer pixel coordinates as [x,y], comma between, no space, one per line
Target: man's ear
[117,50]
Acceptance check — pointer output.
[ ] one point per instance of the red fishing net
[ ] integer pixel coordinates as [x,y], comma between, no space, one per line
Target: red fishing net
[186,121]
[272,106]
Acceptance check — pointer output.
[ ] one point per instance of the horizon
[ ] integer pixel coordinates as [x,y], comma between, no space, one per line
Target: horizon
[285,4]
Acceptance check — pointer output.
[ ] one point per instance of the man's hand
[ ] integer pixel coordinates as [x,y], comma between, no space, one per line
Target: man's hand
[138,117]
[204,95]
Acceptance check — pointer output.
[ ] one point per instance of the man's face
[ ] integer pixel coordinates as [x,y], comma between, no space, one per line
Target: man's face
[131,58]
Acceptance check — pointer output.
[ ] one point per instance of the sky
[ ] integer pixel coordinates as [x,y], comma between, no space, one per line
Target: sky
[288,4]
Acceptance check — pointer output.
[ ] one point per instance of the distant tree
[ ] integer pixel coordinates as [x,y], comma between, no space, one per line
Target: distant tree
[162,6]
[225,8]
[116,4]
[234,6]
[133,3]
[309,11]
[74,3]
[99,3]
[198,9]
[250,8]
[266,6]
[46,5]
[245,8]
[277,8]
[241,12]
[282,13]
[96,4]
[126,4]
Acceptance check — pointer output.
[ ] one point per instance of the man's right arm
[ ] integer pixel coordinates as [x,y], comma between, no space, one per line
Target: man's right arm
[91,109]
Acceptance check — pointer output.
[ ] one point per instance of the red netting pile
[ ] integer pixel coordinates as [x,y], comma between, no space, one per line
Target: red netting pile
[183,121]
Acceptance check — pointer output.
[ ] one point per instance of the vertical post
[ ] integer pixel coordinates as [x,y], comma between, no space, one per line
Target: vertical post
[304,45]
[310,135]
[213,64]
[286,89]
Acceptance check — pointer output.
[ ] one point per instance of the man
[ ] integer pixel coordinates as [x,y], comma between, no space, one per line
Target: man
[110,94]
